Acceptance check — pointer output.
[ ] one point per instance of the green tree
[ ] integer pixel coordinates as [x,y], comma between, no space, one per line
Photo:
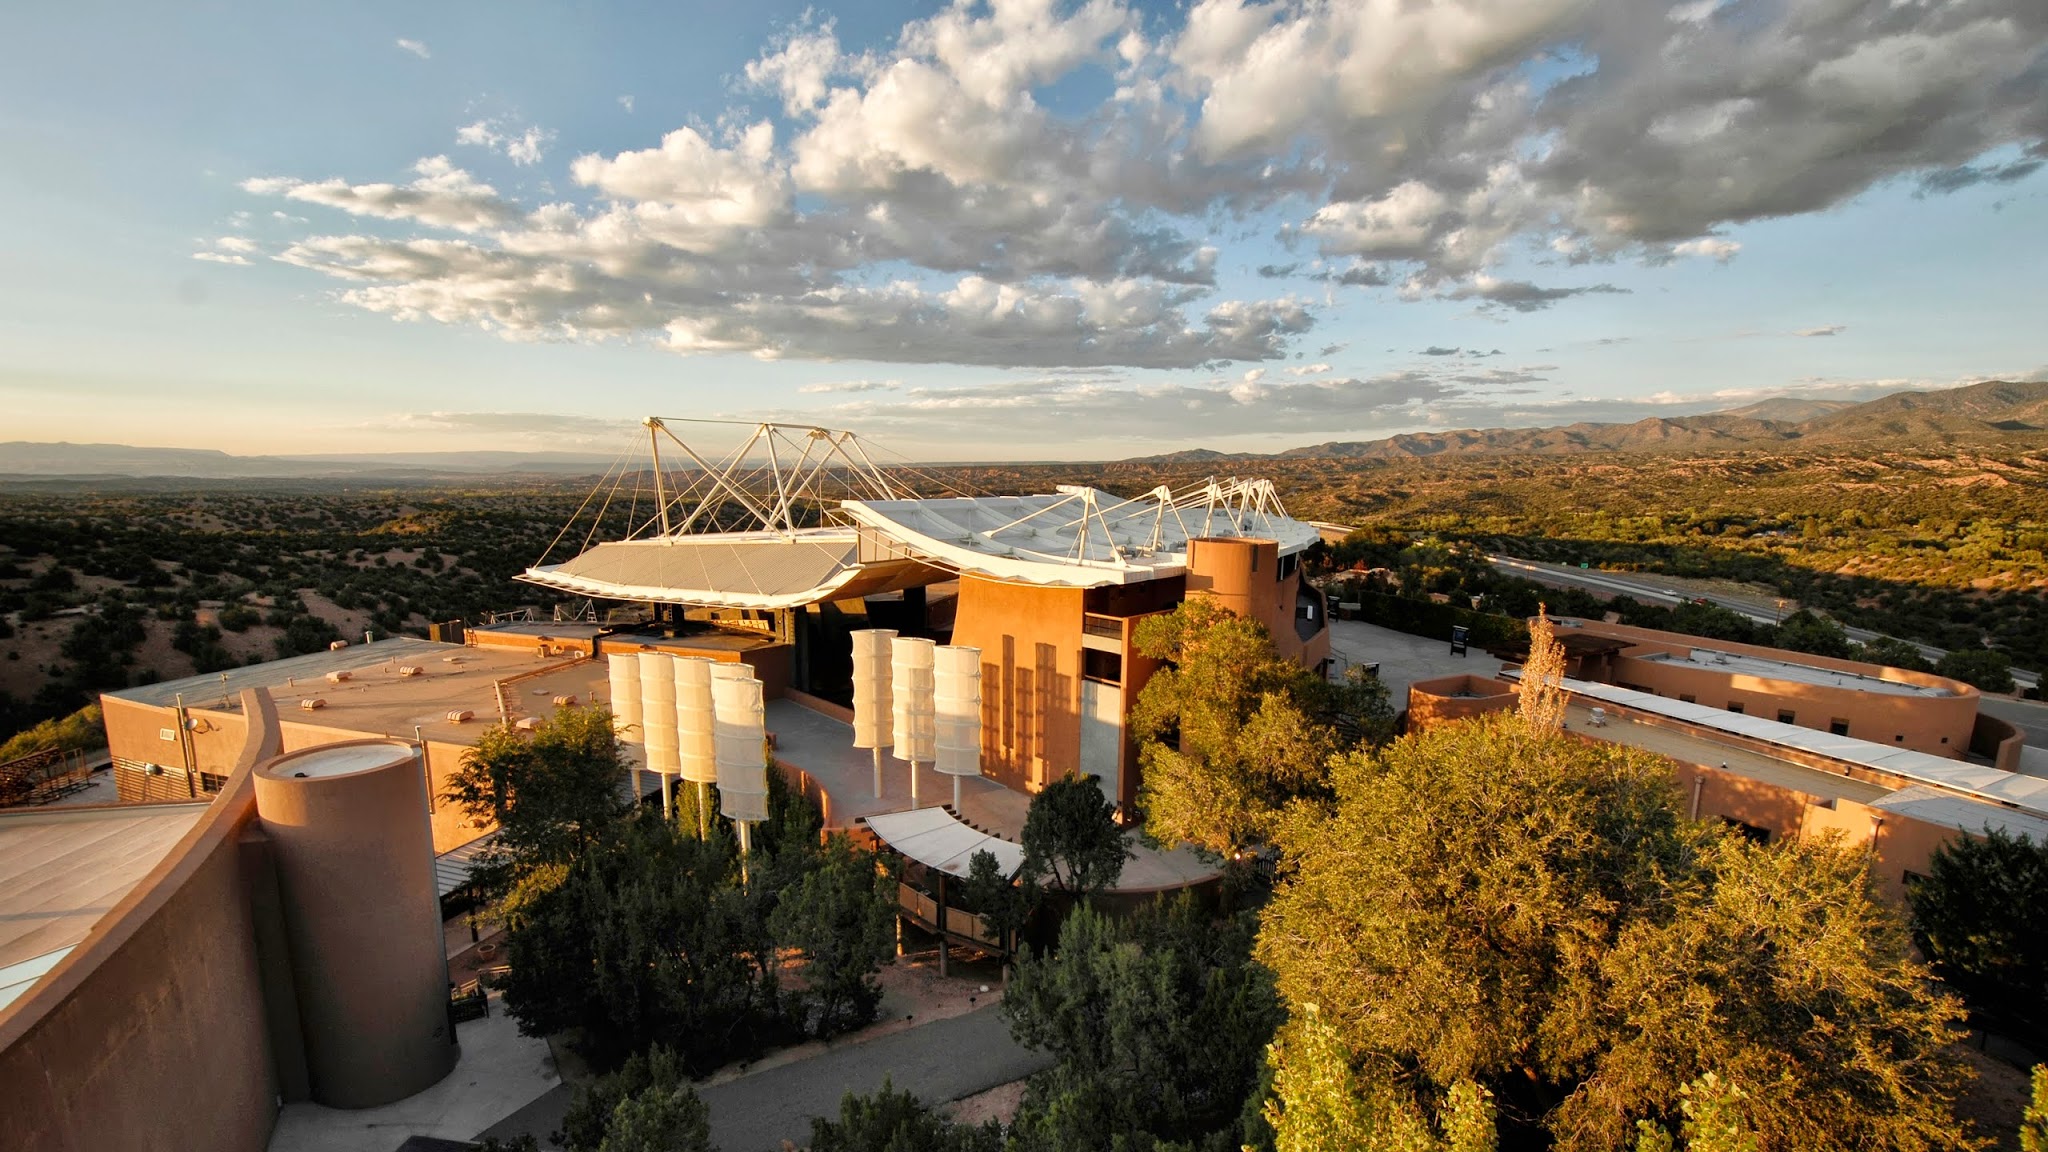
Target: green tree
[1805,631]
[841,916]
[1224,731]
[552,792]
[1321,1100]
[1980,916]
[1894,653]
[1492,904]
[1980,667]
[646,936]
[1071,837]
[2034,1123]
[1779,989]
[648,1105]
[1002,904]
[893,1121]
[1157,1023]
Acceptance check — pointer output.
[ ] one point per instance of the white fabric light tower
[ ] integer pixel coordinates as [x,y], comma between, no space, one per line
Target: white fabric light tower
[873,710]
[658,719]
[624,669]
[741,732]
[956,700]
[910,690]
[696,746]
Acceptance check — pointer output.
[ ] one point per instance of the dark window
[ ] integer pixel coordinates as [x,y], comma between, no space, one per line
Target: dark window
[1255,559]
[1286,566]
[1838,727]
[210,782]
[1107,666]
[1735,706]
[1899,739]
[1749,832]
[1787,716]
[1688,698]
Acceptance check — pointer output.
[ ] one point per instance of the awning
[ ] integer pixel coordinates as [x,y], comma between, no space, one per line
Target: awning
[936,838]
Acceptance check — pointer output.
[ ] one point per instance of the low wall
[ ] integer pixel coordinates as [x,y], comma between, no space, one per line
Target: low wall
[1450,698]
[2001,740]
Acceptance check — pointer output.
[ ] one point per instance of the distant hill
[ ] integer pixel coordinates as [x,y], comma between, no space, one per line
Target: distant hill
[26,458]
[1976,411]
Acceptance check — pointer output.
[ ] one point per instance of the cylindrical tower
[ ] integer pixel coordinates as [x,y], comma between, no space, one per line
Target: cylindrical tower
[742,751]
[355,862]
[658,713]
[956,698]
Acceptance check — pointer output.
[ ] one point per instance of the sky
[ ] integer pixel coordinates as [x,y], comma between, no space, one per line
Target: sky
[1017,229]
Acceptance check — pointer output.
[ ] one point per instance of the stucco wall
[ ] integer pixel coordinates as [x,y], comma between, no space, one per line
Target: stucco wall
[1241,573]
[1030,641]
[150,1036]
[1435,702]
[1940,725]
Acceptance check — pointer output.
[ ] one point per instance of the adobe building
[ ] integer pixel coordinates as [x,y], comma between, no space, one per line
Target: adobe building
[1783,743]
[172,974]
[1049,586]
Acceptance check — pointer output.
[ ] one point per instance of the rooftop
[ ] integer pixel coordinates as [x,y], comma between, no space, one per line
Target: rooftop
[2026,793]
[1937,807]
[1763,668]
[62,869]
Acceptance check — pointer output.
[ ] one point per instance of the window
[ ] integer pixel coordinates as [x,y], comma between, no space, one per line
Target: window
[1687,698]
[1899,739]
[1750,832]
[1787,716]
[1735,706]
[1838,727]
[1286,567]
[212,782]
[1106,666]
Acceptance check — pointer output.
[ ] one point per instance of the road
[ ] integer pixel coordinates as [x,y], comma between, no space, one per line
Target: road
[1653,590]
[941,1061]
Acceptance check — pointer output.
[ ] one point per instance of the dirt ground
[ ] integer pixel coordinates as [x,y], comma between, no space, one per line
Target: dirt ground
[998,1103]
[349,622]
[1996,1100]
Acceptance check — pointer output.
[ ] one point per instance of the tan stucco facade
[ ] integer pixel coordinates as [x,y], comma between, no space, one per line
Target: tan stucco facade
[1940,721]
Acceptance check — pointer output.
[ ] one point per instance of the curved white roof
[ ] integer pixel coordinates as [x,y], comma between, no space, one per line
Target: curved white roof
[1081,537]
[1074,537]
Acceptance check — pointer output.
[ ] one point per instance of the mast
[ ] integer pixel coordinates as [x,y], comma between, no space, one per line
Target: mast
[653,425]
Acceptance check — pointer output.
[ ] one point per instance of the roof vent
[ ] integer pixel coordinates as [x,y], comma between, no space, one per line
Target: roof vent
[312,703]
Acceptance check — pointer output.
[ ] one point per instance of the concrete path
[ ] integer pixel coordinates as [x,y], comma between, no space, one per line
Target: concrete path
[941,1061]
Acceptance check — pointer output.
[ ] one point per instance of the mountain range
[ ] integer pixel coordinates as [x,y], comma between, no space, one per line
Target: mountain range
[1976,412]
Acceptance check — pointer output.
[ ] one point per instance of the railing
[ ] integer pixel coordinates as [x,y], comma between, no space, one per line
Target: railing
[41,777]
[959,921]
[1105,627]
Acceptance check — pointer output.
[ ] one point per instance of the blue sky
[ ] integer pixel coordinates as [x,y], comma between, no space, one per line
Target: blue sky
[1019,230]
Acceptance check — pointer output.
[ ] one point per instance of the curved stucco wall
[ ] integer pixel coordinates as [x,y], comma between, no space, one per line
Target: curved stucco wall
[151,1034]
[355,867]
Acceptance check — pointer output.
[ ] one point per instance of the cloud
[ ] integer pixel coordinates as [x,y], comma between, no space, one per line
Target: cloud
[1713,248]
[1823,330]
[415,47]
[851,386]
[506,422]
[1521,295]
[220,257]
[1439,350]
[1963,176]
[931,200]
[626,102]
[1308,369]
[520,145]
[235,244]
[444,196]
[1057,410]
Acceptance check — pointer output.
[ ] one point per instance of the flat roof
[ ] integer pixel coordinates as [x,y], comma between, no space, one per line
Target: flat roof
[62,869]
[1961,813]
[1738,664]
[1680,744]
[277,673]
[2027,793]
[376,700]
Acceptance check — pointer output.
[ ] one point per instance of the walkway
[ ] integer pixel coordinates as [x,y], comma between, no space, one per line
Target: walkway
[941,1061]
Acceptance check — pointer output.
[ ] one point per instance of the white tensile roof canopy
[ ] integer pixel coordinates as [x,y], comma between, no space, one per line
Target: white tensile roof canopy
[798,515]
[937,838]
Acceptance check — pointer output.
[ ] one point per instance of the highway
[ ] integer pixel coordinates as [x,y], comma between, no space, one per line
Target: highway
[1761,609]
